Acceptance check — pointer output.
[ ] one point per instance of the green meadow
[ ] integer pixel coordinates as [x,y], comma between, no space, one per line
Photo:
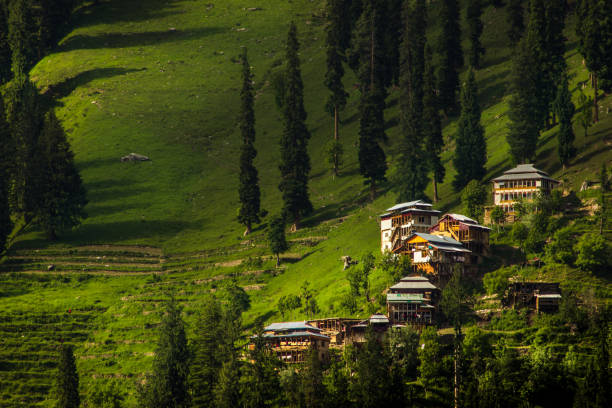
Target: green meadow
[162,78]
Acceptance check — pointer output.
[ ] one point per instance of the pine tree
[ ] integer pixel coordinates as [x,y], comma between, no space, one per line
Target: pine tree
[371,385]
[25,118]
[67,380]
[276,238]
[412,167]
[474,28]
[167,386]
[335,71]
[21,35]
[5,49]
[295,162]
[432,128]
[207,353]
[249,181]
[6,225]
[227,394]
[524,128]
[311,376]
[564,108]
[471,148]
[63,197]
[594,30]
[516,21]
[259,382]
[451,55]
[372,159]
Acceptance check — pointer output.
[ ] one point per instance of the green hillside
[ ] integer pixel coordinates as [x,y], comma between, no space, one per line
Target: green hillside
[162,78]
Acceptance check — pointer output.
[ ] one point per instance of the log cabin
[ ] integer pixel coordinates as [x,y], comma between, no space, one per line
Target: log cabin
[469,232]
[291,341]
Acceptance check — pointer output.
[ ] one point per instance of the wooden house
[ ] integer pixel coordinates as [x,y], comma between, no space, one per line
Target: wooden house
[291,341]
[540,296]
[469,232]
[333,327]
[434,255]
[401,220]
[356,331]
[524,182]
[413,301]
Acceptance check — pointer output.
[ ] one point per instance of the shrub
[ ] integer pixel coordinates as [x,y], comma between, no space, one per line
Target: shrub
[592,252]
[509,320]
[560,249]
[496,282]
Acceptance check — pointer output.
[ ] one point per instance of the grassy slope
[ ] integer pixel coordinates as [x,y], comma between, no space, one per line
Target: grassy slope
[160,78]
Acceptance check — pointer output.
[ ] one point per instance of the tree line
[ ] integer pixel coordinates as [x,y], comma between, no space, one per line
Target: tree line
[210,366]
[38,179]
[386,45]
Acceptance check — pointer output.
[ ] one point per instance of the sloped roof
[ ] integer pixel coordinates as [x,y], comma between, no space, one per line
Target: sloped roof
[414,279]
[296,334]
[379,318]
[442,242]
[414,285]
[407,205]
[524,171]
[466,220]
[405,297]
[288,326]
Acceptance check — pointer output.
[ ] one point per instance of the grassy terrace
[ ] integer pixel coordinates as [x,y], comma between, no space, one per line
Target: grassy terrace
[161,78]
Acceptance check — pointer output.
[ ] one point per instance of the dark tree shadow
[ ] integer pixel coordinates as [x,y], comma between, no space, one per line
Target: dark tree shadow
[65,88]
[118,11]
[124,40]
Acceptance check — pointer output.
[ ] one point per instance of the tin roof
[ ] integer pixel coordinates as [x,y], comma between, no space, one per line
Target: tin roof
[295,334]
[414,279]
[549,295]
[405,298]
[413,285]
[379,318]
[288,326]
[407,205]
[524,171]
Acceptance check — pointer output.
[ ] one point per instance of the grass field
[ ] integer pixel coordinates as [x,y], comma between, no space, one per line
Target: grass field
[162,78]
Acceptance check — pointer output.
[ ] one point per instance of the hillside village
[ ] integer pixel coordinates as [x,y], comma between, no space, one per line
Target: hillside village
[437,246]
[328,203]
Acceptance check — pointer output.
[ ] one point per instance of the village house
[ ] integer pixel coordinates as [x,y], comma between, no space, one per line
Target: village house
[524,182]
[413,301]
[356,331]
[434,255]
[292,341]
[539,296]
[333,327]
[472,235]
[401,220]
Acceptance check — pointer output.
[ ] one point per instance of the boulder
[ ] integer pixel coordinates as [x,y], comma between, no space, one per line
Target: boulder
[134,157]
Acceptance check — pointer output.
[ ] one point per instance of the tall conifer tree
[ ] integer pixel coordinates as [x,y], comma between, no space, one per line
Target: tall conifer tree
[594,31]
[474,31]
[525,119]
[335,71]
[6,225]
[207,354]
[565,109]
[5,49]
[67,380]
[25,118]
[412,168]
[249,180]
[368,47]
[432,128]
[62,194]
[21,35]
[451,55]
[516,21]
[167,386]
[295,162]
[259,381]
[471,150]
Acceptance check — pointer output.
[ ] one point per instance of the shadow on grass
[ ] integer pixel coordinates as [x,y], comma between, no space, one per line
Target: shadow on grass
[123,40]
[493,88]
[118,11]
[65,88]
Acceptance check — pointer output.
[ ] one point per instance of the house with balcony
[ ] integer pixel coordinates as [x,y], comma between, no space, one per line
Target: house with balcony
[469,232]
[401,220]
[435,256]
[524,182]
[413,301]
[292,341]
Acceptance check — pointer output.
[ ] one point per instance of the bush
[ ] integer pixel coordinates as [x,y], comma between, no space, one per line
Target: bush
[509,320]
[518,234]
[560,249]
[592,252]
[496,282]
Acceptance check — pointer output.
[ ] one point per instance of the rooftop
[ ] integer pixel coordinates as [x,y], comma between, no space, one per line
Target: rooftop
[405,298]
[441,242]
[413,285]
[379,318]
[466,220]
[295,334]
[290,326]
[524,171]
[414,279]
